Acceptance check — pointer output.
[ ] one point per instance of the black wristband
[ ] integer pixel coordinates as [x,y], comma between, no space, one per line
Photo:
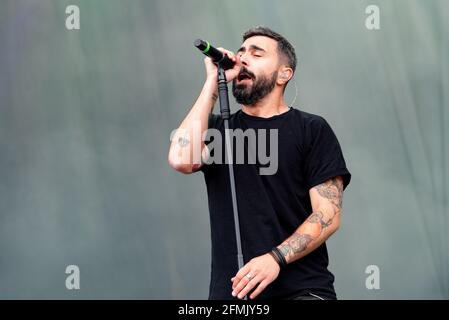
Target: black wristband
[275,257]
[280,257]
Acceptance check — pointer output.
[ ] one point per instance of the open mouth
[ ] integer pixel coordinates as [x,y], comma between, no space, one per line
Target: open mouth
[244,76]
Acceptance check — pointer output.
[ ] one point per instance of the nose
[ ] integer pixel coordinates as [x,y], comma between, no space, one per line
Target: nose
[243,59]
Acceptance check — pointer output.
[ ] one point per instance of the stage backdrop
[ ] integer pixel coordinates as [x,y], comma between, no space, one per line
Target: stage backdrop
[85,119]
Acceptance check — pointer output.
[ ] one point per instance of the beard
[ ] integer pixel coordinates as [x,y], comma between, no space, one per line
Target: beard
[249,94]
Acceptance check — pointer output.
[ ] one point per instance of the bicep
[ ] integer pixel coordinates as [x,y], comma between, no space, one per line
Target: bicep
[328,194]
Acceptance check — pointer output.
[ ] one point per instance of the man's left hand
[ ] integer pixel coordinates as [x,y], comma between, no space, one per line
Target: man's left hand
[259,272]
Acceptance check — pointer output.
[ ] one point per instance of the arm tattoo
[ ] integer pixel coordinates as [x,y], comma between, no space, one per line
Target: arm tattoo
[299,242]
[214,97]
[332,190]
[183,141]
[296,244]
[317,222]
[318,217]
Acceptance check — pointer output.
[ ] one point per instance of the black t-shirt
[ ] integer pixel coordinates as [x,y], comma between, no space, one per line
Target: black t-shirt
[272,207]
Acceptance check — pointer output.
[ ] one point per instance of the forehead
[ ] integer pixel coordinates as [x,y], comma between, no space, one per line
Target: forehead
[267,44]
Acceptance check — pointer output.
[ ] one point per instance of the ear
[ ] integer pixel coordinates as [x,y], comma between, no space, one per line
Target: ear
[285,74]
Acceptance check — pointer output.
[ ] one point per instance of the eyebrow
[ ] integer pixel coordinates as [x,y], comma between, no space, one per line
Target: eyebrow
[251,47]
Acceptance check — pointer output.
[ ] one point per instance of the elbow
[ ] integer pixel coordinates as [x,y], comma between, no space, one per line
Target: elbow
[336,227]
[336,223]
[179,166]
[331,218]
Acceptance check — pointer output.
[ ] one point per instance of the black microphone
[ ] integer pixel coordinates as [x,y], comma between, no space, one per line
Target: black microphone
[217,56]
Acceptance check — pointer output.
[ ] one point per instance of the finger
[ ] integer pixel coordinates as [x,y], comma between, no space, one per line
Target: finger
[261,287]
[238,286]
[249,286]
[242,272]
[237,60]
[238,279]
[242,284]
[230,54]
[208,61]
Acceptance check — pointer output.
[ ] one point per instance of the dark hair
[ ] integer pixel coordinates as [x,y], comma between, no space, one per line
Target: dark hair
[285,48]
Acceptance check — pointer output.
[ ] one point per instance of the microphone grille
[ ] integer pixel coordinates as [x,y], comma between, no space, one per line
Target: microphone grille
[200,44]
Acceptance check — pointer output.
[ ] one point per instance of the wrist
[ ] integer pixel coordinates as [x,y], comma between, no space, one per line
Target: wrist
[211,84]
[276,259]
[211,89]
[212,78]
[279,257]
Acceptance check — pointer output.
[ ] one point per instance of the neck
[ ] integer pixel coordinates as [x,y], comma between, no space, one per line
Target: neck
[271,105]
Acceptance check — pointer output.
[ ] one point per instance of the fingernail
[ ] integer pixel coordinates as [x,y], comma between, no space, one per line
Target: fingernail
[233,293]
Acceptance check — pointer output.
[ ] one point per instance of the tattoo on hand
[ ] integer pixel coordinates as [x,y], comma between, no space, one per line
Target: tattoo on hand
[332,189]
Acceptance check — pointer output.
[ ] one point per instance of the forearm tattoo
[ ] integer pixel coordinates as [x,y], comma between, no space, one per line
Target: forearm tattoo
[214,97]
[296,244]
[318,217]
[317,222]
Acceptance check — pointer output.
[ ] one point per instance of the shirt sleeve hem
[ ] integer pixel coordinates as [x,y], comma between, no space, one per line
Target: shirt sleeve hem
[342,172]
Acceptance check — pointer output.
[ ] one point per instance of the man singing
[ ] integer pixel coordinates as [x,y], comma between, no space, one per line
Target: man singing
[285,217]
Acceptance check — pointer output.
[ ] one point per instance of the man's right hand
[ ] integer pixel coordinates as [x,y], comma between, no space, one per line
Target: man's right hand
[231,74]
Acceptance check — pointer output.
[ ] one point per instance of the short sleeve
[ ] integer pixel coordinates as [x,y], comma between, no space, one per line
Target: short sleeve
[324,159]
[213,121]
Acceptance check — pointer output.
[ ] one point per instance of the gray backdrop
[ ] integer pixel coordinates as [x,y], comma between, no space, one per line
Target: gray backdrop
[84,133]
